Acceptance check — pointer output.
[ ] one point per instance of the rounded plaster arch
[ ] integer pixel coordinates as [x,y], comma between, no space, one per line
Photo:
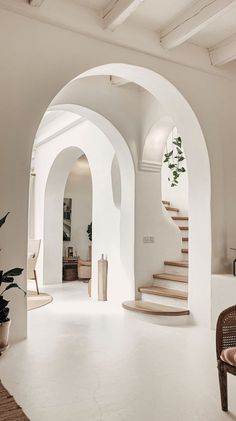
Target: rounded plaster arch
[127,181]
[155,140]
[185,119]
[124,215]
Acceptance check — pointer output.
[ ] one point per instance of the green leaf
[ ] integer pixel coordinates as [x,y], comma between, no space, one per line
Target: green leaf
[180,158]
[179,151]
[166,160]
[14,285]
[3,303]
[7,279]
[173,184]
[13,272]
[178,140]
[3,220]
[171,166]
[182,169]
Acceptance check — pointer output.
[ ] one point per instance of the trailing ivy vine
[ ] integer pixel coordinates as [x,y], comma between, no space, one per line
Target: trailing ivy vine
[174,159]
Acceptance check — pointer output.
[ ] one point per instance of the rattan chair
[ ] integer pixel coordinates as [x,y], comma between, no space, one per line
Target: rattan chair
[225,338]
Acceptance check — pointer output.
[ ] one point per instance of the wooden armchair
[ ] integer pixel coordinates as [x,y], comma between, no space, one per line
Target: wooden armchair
[226,350]
[33,252]
[84,269]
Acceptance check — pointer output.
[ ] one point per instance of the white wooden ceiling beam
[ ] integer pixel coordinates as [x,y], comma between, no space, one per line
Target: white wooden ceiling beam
[193,20]
[117,11]
[224,52]
[118,81]
[35,3]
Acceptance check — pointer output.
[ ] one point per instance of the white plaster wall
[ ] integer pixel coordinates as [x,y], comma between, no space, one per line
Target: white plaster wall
[223,292]
[79,189]
[178,195]
[26,91]
[151,221]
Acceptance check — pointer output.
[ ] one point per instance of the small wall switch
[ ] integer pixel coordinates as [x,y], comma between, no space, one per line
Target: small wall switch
[148,239]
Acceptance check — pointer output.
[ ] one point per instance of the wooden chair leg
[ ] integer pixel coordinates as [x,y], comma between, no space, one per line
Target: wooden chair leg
[223,386]
[36,281]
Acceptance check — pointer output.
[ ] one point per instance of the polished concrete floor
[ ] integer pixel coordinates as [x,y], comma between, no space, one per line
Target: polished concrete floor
[86,361]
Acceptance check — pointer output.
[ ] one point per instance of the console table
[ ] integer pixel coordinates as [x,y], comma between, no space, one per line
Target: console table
[70,268]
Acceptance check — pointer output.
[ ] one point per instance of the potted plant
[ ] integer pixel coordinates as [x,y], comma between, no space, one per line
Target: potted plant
[6,283]
[90,233]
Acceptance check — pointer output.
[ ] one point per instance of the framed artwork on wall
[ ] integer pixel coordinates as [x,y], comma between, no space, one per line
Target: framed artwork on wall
[67,208]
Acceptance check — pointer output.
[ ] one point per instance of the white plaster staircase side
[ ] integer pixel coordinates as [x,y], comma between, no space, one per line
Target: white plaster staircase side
[167,294]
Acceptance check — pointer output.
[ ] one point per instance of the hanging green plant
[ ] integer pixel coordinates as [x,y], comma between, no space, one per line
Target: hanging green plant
[174,159]
[90,231]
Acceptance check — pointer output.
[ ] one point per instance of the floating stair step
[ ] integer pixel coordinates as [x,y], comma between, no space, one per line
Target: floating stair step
[171,277]
[164,292]
[170,208]
[154,309]
[180,218]
[165,202]
[178,263]
[185,251]
[183,228]
[184,238]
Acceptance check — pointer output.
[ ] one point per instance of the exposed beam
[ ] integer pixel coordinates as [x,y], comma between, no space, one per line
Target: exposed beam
[117,11]
[118,81]
[35,3]
[193,20]
[59,132]
[224,52]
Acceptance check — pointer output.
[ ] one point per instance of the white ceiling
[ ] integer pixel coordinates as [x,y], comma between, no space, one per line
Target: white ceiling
[53,122]
[216,32]
[156,15]
[141,24]
[92,4]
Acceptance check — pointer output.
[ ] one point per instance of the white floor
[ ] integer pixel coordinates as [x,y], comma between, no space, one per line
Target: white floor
[85,361]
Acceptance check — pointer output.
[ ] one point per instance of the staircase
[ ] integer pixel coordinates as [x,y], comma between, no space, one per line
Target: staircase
[168,293]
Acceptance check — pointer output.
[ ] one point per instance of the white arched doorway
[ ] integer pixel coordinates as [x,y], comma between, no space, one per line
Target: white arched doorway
[176,106]
[91,137]
[185,119]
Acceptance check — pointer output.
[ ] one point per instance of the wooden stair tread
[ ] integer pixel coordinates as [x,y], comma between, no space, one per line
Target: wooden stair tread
[154,309]
[179,263]
[165,202]
[180,218]
[183,228]
[164,292]
[171,277]
[184,238]
[184,251]
[170,208]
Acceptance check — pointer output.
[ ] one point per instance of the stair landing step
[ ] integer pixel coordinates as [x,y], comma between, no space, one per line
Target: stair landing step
[184,238]
[164,292]
[171,277]
[185,251]
[154,309]
[183,228]
[178,263]
[165,202]
[180,218]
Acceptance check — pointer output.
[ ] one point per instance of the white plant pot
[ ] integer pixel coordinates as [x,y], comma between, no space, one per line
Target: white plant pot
[4,335]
